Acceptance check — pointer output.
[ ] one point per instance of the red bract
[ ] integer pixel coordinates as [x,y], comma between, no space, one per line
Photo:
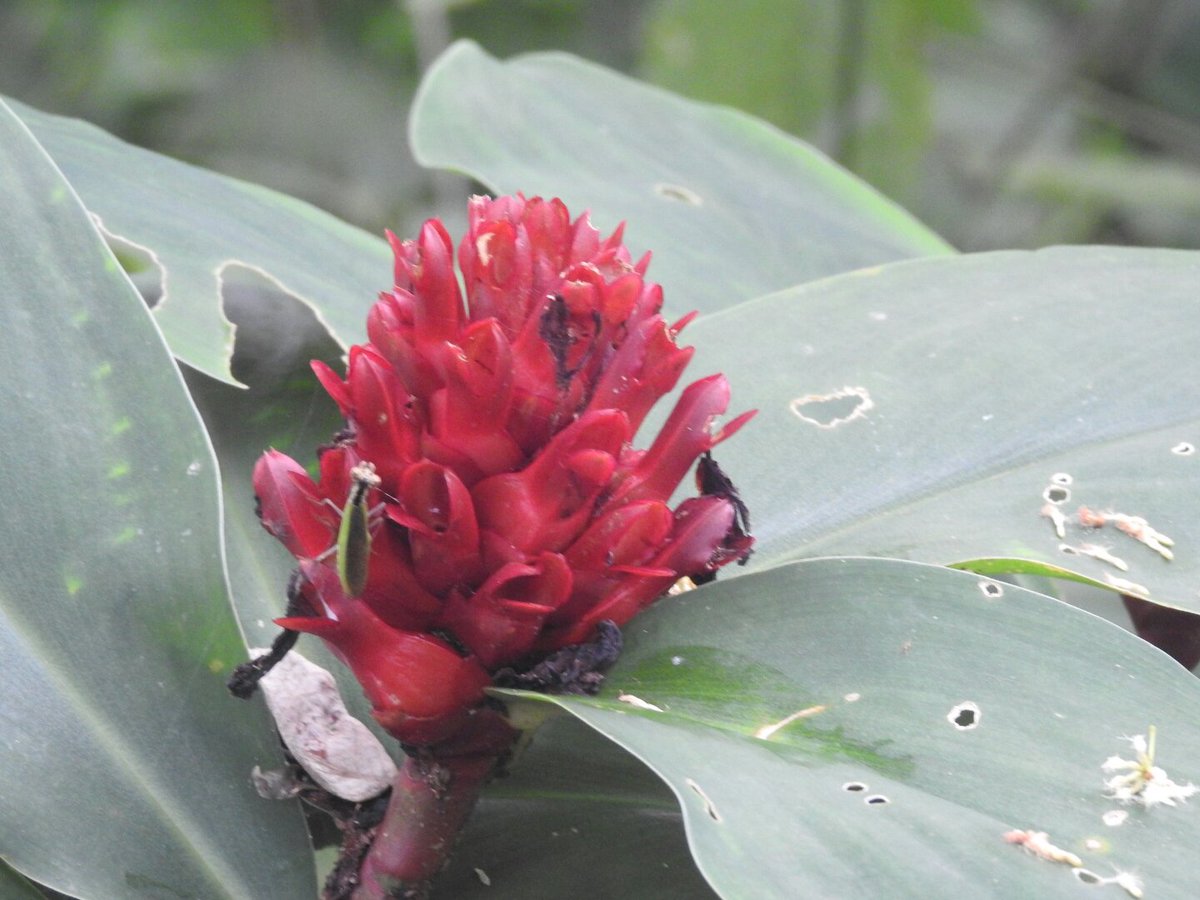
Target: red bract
[513,513]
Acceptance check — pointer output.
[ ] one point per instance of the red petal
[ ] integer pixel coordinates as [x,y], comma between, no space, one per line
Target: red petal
[420,689]
[290,506]
[545,505]
[444,537]
[501,621]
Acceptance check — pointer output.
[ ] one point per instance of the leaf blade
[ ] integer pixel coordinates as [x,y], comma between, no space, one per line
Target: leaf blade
[118,632]
[982,377]
[722,232]
[205,224]
[880,653]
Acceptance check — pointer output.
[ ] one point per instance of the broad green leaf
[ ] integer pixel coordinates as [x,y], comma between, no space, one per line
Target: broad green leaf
[731,207]
[14,886]
[861,673]
[198,226]
[970,383]
[578,816]
[282,407]
[126,771]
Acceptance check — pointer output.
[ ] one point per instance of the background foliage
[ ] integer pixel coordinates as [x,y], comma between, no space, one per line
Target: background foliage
[999,123]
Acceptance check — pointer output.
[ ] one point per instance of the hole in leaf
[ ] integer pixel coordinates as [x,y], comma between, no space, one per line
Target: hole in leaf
[854,786]
[832,410]
[991,590]
[965,716]
[1056,495]
[1087,876]
[1061,478]
[1183,448]
[876,800]
[140,263]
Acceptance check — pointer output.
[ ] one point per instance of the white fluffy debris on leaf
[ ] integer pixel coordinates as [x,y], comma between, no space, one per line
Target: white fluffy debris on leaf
[336,749]
[1130,882]
[1038,843]
[1134,526]
[638,702]
[1139,780]
[1056,517]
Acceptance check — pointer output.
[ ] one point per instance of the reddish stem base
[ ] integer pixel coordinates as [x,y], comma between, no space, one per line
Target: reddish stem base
[432,796]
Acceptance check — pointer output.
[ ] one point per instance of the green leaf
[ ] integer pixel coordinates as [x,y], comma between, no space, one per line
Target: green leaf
[14,886]
[861,672]
[578,816]
[127,764]
[731,207]
[970,383]
[200,226]
[282,407]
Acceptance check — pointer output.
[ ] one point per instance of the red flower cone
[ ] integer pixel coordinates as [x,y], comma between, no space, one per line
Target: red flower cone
[509,513]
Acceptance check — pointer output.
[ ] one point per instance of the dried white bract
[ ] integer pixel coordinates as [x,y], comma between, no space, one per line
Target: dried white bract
[1056,517]
[1130,882]
[1140,530]
[1139,780]
[338,751]
[1125,586]
[638,702]
[1134,526]
[1095,551]
[1038,843]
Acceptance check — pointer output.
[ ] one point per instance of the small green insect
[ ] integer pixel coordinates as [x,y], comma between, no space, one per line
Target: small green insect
[354,536]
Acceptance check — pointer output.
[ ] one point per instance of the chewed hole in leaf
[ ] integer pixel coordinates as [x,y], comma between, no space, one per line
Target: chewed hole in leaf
[1061,478]
[1087,876]
[991,589]
[1056,494]
[834,409]
[1183,448]
[965,716]
[876,800]
[854,786]
[140,263]
[678,193]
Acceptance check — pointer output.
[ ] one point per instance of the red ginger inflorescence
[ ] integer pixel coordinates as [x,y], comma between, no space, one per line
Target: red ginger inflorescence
[512,513]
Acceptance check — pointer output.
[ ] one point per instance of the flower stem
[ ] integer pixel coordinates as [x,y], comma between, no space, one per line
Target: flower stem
[432,796]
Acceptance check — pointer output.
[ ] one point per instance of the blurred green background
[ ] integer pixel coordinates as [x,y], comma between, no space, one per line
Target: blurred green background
[1001,123]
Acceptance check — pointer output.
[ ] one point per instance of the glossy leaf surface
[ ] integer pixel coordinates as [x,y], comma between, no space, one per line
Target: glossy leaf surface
[126,772]
[971,387]
[871,780]
[198,226]
[731,207]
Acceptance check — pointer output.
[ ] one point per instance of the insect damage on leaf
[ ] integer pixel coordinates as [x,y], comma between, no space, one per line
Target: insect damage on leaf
[1038,844]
